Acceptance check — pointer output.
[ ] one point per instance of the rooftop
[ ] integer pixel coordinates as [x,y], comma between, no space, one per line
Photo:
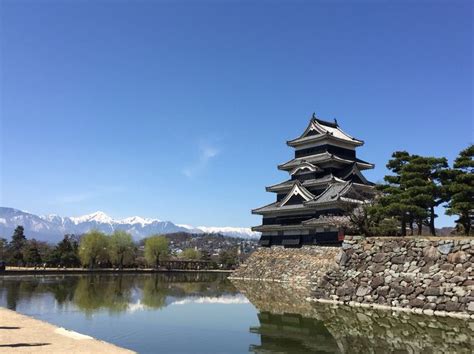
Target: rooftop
[323,158]
[321,129]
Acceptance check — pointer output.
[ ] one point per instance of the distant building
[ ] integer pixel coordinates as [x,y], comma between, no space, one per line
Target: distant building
[325,182]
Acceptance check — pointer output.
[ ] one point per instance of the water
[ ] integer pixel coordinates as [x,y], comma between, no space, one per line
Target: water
[206,313]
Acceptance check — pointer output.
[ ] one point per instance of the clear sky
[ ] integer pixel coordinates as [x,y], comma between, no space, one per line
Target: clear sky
[180,110]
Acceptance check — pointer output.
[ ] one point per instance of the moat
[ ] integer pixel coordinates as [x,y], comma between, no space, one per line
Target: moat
[207,313]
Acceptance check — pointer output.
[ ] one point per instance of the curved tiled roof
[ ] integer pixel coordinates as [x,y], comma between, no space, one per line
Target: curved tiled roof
[321,158]
[319,129]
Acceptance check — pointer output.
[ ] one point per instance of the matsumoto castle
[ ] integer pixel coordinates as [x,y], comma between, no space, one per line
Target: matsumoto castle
[325,182]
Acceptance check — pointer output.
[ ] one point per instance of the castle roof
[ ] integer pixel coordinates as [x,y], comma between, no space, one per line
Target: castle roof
[321,181]
[319,129]
[335,193]
[323,158]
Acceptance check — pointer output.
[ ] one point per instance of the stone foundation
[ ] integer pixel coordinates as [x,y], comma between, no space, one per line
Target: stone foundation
[353,329]
[307,264]
[423,275]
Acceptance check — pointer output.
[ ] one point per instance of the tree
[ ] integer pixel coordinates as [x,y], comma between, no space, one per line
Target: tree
[3,248]
[17,245]
[31,253]
[423,179]
[413,191]
[93,248]
[228,258]
[155,248]
[121,248]
[394,199]
[191,254]
[459,183]
[66,252]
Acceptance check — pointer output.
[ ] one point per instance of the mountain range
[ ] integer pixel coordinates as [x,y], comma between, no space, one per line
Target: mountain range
[52,228]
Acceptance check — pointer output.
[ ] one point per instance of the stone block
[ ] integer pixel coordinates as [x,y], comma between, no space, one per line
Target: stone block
[380,257]
[416,303]
[445,248]
[363,291]
[431,253]
[398,260]
[433,291]
[377,281]
[452,306]
[383,290]
[468,282]
[458,257]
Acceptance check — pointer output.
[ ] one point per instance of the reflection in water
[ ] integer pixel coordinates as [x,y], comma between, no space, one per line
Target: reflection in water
[289,324]
[292,333]
[183,312]
[119,293]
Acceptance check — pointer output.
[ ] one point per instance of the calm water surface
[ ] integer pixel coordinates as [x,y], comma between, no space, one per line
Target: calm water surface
[206,313]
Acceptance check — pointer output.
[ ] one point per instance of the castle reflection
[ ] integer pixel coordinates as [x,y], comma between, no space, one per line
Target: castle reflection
[291,324]
[292,333]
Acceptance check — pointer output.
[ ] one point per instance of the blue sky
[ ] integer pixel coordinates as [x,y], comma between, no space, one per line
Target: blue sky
[180,110]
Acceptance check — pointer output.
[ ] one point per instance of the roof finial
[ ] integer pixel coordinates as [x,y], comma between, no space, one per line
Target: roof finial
[314,115]
[335,122]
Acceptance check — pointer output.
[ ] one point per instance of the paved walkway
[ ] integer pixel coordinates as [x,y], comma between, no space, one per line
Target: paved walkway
[23,334]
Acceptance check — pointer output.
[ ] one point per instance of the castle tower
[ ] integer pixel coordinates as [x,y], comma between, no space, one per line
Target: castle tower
[325,181]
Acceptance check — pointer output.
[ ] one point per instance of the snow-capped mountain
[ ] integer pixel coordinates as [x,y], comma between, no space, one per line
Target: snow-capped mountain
[52,228]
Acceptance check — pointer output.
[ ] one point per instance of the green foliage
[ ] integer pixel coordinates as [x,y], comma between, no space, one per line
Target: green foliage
[66,252]
[121,248]
[228,258]
[412,192]
[16,246]
[370,220]
[154,293]
[96,292]
[459,183]
[3,249]
[156,247]
[31,254]
[422,177]
[93,248]
[190,254]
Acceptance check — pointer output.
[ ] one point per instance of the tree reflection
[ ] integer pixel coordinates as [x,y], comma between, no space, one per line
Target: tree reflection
[154,293]
[63,289]
[95,292]
[14,291]
[103,292]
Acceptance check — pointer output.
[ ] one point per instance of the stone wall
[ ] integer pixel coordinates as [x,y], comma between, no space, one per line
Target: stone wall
[300,265]
[354,329]
[426,274]
[422,275]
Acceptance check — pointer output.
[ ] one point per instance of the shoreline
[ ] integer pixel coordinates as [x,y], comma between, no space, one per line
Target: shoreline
[375,306]
[22,333]
[55,271]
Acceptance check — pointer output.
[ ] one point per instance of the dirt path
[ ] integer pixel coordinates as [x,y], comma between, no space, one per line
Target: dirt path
[23,334]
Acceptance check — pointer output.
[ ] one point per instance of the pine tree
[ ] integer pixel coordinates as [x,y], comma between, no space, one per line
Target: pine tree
[17,245]
[422,178]
[394,200]
[413,191]
[66,252]
[459,183]
[31,253]
[3,248]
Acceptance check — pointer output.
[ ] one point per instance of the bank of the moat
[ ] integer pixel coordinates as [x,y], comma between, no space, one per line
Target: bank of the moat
[429,275]
[283,309]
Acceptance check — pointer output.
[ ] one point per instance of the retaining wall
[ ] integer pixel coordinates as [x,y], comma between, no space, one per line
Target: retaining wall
[424,275]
